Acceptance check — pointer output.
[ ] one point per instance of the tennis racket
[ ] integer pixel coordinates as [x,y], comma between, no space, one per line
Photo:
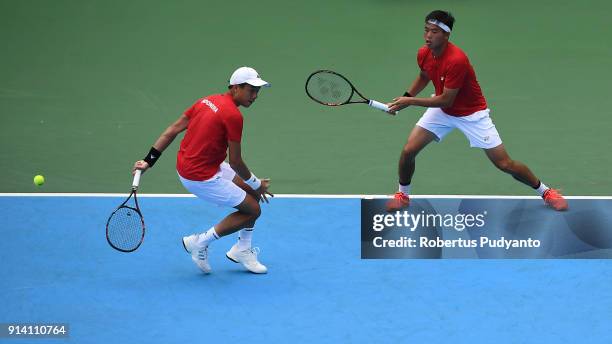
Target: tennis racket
[125,228]
[332,89]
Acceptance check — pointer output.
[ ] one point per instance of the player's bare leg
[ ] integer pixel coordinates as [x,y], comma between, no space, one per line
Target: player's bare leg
[244,220]
[248,212]
[246,233]
[418,139]
[197,244]
[519,171]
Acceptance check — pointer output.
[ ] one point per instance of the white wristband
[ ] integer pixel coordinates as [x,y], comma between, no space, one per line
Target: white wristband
[253,182]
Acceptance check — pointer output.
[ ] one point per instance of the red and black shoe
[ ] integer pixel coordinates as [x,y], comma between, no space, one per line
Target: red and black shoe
[554,199]
[398,202]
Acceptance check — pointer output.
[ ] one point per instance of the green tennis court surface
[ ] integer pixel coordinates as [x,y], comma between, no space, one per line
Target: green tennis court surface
[88,86]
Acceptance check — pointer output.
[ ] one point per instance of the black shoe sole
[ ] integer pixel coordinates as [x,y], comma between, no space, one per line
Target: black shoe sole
[228,257]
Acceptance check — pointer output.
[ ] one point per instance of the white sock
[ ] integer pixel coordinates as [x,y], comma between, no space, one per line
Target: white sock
[204,239]
[542,189]
[244,239]
[405,189]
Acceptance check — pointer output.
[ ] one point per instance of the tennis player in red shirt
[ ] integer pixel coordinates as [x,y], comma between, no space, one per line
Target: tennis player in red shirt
[213,126]
[458,103]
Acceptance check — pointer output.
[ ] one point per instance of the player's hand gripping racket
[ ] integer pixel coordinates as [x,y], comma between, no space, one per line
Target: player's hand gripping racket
[332,89]
[125,228]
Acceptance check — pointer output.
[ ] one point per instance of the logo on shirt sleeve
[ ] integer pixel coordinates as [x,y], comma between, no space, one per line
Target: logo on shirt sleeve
[210,105]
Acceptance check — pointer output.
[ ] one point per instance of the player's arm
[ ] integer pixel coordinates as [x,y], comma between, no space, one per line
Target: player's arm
[236,162]
[419,83]
[260,187]
[445,100]
[164,140]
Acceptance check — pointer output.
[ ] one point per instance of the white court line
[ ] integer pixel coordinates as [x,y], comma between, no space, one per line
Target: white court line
[291,196]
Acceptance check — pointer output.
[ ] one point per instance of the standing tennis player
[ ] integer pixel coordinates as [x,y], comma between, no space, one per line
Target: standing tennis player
[213,125]
[458,103]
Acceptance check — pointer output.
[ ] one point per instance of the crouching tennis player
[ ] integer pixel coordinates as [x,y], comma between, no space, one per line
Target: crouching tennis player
[213,125]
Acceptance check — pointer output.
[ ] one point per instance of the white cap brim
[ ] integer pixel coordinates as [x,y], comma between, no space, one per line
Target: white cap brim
[258,82]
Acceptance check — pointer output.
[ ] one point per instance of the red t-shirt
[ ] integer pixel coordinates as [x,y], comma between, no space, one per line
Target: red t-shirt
[453,70]
[213,121]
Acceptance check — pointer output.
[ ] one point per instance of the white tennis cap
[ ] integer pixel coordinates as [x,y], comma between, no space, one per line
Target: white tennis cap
[247,75]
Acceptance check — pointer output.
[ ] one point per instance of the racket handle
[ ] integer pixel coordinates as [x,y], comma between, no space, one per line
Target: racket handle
[379,105]
[136,180]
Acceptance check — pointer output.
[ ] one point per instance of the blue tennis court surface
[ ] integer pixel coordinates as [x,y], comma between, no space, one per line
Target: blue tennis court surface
[57,267]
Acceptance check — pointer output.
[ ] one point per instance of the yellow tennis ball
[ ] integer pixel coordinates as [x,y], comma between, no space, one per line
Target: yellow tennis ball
[39,180]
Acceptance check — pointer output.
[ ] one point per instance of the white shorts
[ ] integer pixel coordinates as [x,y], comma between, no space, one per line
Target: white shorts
[477,127]
[219,189]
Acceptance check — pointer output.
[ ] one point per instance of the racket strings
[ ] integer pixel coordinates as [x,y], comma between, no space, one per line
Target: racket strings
[329,89]
[125,229]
